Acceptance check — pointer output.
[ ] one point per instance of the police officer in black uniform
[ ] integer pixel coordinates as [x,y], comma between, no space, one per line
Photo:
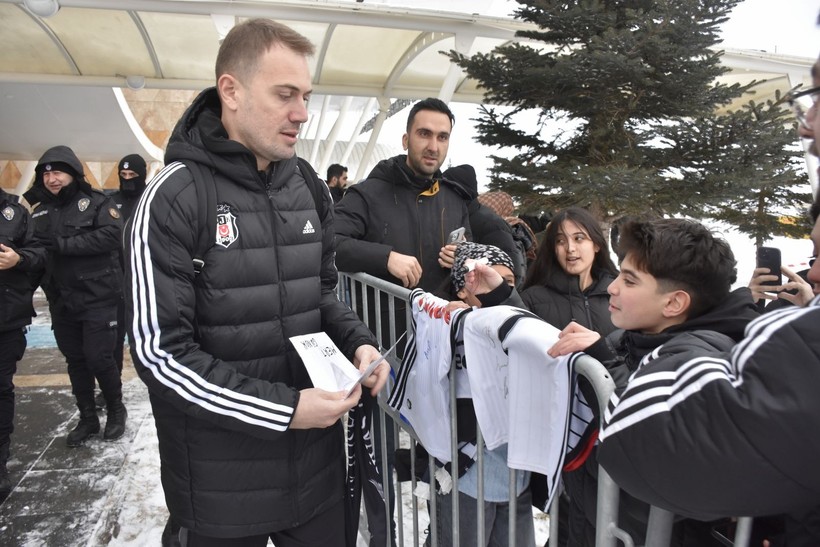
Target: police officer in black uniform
[81,228]
[132,173]
[19,261]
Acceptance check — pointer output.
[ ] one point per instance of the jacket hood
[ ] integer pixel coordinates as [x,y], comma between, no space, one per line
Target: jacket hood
[56,154]
[463,179]
[729,317]
[62,154]
[199,136]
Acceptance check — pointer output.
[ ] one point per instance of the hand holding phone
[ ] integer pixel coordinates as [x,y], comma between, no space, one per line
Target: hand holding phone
[769,257]
[456,236]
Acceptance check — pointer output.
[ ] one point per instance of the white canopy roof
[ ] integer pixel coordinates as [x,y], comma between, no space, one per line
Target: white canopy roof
[57,73]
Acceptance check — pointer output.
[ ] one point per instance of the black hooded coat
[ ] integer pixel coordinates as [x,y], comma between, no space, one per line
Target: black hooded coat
[214,349]
[82,227]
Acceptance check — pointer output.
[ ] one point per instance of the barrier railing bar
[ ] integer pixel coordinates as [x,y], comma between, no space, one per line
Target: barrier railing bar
[453,458]
[743,531]
[659,529]
[513,508]
[479,446]
[554,515]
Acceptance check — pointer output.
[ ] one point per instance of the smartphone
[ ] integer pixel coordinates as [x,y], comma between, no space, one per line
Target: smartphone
[456,236]
[769,257]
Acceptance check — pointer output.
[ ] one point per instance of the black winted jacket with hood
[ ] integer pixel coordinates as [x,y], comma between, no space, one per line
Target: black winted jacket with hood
[85,228]
[16,283]
[560,300]
[622,353]
[727,433]
[393,210]
[213,348]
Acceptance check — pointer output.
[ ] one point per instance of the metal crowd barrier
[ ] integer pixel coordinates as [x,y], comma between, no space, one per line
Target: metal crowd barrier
[367,295]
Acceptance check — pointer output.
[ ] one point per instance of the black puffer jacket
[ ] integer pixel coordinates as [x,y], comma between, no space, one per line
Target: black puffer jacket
[392,210]
[16,286]
[728,432]
[213,348]
[622,353]
[561,300]
[85,226]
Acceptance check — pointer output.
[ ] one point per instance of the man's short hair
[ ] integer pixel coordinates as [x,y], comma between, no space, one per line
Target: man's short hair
[335,170]
[242,48]
[430,103]
[681,255]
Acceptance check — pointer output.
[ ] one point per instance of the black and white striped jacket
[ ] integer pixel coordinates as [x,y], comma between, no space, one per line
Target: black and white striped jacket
[213,348]
[706,432]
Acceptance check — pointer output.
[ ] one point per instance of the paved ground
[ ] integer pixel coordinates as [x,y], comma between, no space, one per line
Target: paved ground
[103,493]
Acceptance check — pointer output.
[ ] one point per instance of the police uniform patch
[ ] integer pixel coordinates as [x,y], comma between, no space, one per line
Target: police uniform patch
[113,212]
[8,213]
[227,230]
[125,165]
[83,204]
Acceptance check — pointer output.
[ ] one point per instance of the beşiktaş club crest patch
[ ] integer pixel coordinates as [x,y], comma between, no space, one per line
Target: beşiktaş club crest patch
[8,213]
[227,230]
[83,204]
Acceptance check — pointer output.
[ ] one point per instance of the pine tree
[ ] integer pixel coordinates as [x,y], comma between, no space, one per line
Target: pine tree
[748,160]
[603,79]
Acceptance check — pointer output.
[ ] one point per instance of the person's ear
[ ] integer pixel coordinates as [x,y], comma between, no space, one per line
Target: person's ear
[229,89]
[404,140]
[677,304]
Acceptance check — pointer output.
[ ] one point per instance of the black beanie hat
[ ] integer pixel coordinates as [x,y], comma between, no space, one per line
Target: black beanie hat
[133,162]
[465,176]
[59,166]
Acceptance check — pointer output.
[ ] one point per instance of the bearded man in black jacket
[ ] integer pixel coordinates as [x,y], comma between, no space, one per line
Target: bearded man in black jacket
[395,224]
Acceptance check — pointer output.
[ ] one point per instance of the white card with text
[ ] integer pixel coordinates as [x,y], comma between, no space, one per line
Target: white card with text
[327,366]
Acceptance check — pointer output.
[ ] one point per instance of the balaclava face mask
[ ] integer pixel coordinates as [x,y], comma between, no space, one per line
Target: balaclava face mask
[136,185]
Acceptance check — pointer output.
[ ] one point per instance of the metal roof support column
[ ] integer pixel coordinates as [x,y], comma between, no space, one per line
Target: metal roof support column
[463,44]
[384,104]
[314,152]
[357,131]
[332,137]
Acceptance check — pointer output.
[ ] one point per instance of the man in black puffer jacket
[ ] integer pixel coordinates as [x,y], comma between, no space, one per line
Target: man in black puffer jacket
[250,450]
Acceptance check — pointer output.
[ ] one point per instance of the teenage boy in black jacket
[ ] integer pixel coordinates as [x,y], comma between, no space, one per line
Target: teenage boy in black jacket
[673,290]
